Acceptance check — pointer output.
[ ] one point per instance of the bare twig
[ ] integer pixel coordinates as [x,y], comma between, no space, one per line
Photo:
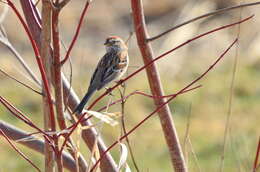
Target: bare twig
[57,80]
[20,82]
[200,17]
[4,40]
[144,94]
[122,94]
[230,100]
[18,151]
[77,32]
[187,142]
[170,99]
[57,71]
[186,137]
[256,162]
[17,113]
[194,155]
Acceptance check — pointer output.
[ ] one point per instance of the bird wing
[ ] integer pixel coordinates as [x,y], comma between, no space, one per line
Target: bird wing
[106,71]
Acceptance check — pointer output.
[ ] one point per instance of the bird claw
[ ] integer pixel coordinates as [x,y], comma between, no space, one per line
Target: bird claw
[120,82]
[109,91]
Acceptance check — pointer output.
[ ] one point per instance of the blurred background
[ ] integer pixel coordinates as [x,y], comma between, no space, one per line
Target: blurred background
[205,109]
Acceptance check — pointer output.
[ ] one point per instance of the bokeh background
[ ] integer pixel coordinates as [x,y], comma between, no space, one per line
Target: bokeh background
[205,110]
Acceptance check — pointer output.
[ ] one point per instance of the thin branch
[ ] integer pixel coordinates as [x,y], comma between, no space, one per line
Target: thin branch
[4,40]
[186,136]
[18,151]
[256,162]
[57,71]
[200,17]
[22,117]
[144,94]
[77,32]
[194,155]
[170,99]
[230,100]
[57,81]
[20,82]
[122,94]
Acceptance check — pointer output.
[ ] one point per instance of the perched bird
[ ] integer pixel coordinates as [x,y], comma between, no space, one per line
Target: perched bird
[110,67]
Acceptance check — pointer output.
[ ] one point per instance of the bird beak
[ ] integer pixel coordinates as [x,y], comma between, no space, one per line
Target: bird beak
[106,43]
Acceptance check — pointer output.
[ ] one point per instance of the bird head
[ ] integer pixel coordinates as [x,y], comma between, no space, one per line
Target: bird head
[115,43]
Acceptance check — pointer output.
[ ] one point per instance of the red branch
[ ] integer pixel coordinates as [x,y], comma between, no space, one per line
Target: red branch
[40,64]
[146,95]
[22,117]
[57,84]
[143,94]
[257,157]
[159,107]
[18,151]
[77,32]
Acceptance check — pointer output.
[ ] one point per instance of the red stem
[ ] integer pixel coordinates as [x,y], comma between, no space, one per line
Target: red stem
[22,117]
[159,107]
[77,32]
[144,94]
[57,84]
[57,69]
[40,65]
[257,157]
[18,151]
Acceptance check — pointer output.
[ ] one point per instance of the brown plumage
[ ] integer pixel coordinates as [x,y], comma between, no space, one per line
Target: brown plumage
[111,67]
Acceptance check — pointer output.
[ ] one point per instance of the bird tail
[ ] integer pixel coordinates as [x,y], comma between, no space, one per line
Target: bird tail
[84,101]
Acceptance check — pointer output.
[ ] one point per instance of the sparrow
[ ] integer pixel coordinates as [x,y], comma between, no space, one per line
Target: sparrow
[111,67]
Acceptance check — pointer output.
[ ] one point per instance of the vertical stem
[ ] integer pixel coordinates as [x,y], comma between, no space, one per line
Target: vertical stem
[45,54]
[256,162]
[169,129]
[57,80]
[57,70]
